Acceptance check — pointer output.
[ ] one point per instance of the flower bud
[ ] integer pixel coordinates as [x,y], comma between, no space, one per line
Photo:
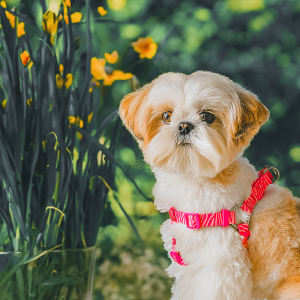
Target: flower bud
[77,43]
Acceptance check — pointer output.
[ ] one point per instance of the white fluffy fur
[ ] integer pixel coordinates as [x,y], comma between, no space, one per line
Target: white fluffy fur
[218,264]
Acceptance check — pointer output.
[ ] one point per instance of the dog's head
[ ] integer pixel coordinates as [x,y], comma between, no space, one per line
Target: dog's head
[196,124]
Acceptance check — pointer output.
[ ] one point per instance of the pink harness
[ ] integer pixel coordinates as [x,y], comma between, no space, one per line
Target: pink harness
[225,217]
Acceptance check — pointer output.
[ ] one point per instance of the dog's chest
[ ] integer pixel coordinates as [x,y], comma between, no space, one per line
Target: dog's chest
[189,194]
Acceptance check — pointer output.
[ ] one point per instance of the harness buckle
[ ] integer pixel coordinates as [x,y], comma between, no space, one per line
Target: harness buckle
[195,217]
[275,173]
[225,215]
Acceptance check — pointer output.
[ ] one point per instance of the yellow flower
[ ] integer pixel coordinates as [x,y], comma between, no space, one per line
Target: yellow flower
[29,101]
[90,116]
[72,119]
[61,69]
[116,75]
[79,122]
[99,73]
[79,135]
[3,103]
[68,3]
[25,58]
[98,68]
[112,58]
[50,23]
[10,17]
[76,17]
[67,81]
[59,81]
[102,11]
[75,121]
[44,145]
[20,29]
[145,47]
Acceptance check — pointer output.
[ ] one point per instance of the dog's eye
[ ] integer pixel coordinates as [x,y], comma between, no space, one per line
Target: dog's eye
[207,117]
[166,116]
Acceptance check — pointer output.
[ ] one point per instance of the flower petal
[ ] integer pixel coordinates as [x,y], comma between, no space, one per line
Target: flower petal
[25,58]
[79,135]
[69,80]
[68,3]
[50,22]
[116,75]
[76,17]
[145,47]
[90,116]
[61,69]
[3,103]
[150,52]
[20,29]
[59,81]
[72,119]
[112,58]
[98,68]
[11,18]
[102,11]
[29,101]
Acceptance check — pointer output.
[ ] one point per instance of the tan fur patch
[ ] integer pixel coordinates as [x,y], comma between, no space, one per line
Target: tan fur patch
[289,289]
[274,246]
[153,121]
[131,109]
[253,114]
[228,175]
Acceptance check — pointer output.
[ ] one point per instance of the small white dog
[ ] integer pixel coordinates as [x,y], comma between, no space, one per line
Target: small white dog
[193,131]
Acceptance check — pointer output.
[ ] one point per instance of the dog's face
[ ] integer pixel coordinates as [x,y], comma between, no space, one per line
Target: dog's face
[197,124]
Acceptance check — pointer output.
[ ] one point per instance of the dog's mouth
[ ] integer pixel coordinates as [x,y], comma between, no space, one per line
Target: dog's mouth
[183,140]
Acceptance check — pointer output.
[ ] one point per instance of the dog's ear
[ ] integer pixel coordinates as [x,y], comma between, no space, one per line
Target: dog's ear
[251,115]
[132,111]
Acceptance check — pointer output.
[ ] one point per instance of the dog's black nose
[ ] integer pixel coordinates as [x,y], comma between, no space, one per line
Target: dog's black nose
[185,127]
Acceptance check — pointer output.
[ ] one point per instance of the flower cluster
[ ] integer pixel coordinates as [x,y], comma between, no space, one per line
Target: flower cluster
[144,46]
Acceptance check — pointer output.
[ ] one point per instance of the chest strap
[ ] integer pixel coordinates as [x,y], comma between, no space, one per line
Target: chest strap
[197,221]
[225,217]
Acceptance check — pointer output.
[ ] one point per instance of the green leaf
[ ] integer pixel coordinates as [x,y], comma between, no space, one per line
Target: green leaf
[107,153]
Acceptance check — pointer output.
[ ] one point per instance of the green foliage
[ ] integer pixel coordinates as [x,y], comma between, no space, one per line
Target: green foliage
[50,275]
[57,135]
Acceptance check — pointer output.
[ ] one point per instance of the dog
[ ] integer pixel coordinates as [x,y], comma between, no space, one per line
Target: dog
[193,130]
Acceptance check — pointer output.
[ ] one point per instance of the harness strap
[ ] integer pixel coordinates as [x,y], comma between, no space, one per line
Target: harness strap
[176,255]
[258,188]
[196,221]
[225,217]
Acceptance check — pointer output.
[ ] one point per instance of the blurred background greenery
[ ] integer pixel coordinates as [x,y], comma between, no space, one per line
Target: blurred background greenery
[255,43]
